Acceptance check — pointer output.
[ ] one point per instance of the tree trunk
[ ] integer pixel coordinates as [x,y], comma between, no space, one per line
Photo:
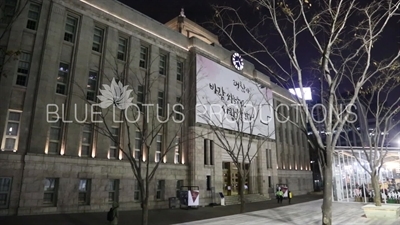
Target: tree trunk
[241,194]
[375,186]
[327,201]
[145,212]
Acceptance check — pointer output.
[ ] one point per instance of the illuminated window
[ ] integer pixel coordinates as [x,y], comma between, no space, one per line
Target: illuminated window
[11,133]
[92,86]
[62,78]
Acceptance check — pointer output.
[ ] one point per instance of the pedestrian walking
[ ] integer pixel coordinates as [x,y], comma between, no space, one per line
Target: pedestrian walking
[113,214]
[279,196]
[290,196]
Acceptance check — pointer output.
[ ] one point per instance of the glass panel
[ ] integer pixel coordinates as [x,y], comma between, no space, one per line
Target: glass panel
[5,184]
[111,196]
[85,150]
[86,138]
[48,197]
[54,133]
[49,184]
[12,129]
[14,116]
[33,15]
[3,199]
[82,197]
[87,127]
[53,147]
[10,143]
[82,185]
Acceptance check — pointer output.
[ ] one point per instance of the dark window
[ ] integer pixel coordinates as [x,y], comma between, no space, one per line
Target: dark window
[208,182]
[70,29]
[33,16]
[211,152]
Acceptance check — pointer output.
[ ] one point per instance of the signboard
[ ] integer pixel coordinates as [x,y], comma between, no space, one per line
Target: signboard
[190,197]
[224,97]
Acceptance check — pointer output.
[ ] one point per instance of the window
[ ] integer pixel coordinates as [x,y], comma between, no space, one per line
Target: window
[211,152]
[159,148]
[113,190]
[163,64]
[23,69]
[55,137]
[208,182]
[114,143]
[205,151]
[179,110]
[9,11]
[179,71]
[269,182]
[84,192]
[5,189]
[62,79]
[140,97]
[12,131]
[33,16]
[179,184]
[97,39]
[160,104]
[208,152]
[160,189]
[138,144]
[50,191]
[144,51]
[136,192]
[122,43]
[70,29]
[177,150]
[86,147]
[92,86]
[268,155]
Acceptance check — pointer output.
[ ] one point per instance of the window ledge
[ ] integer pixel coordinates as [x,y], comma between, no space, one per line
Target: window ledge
[69,43]
[30,31]
[61,95]
[22,88]
[97,53]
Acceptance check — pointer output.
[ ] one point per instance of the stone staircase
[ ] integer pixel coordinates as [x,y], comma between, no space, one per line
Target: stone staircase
[234,200]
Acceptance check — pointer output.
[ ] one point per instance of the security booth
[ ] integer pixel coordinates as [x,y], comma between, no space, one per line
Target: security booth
[189,197]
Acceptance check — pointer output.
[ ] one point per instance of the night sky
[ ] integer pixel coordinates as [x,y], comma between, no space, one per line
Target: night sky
[200,11]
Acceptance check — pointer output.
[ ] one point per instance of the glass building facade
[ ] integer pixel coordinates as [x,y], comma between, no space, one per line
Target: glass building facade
[350,177]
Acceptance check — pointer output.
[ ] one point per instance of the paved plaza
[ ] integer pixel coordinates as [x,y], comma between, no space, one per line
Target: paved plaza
[305,210]
[300,214]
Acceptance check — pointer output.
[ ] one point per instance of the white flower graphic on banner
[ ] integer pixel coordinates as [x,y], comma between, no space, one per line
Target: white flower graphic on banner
[115,94]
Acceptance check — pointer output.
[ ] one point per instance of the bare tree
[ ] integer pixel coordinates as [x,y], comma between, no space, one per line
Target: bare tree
[342,36]
[240,127]
[376,125]
[149,130]
[10,12]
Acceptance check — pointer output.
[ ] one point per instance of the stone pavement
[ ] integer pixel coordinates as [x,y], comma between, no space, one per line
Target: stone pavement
[156,217]
[305,213]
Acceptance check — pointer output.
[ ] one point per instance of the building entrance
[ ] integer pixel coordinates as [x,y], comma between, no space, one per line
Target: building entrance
[231,178]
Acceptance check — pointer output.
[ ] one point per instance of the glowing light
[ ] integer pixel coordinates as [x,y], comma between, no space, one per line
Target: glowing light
[135,25]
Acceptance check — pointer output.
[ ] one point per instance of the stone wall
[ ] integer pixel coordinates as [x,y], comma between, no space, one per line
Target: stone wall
[70,170]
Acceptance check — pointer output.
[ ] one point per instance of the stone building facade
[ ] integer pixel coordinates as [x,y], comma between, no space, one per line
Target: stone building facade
[68,49]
